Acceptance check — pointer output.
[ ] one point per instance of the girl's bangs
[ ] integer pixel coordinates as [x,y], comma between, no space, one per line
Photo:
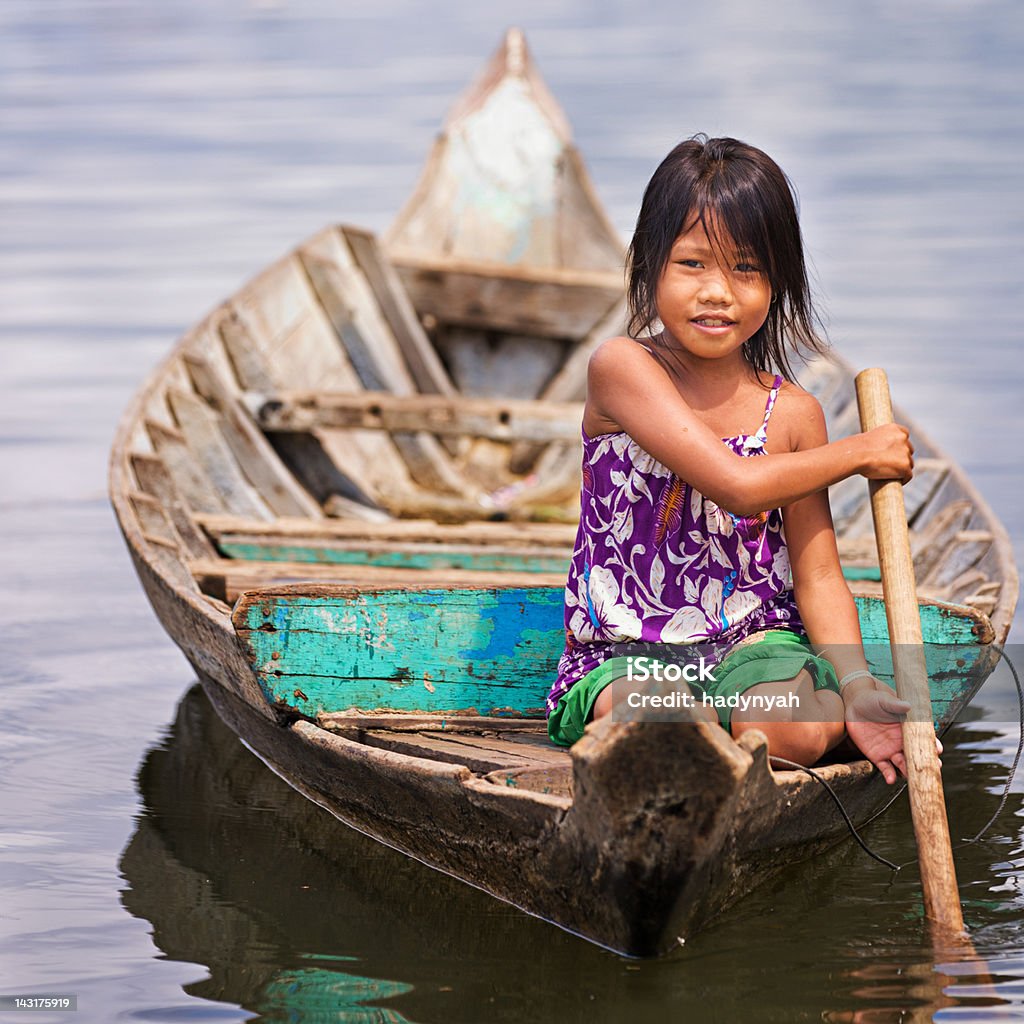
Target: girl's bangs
[733,222]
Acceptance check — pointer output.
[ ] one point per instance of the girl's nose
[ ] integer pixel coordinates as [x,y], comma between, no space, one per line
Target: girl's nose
[714,289]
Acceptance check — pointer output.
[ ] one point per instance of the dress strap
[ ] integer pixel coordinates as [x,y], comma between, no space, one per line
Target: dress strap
[770,404]
[759,439]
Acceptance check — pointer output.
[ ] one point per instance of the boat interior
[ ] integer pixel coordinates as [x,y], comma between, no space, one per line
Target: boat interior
[313,428]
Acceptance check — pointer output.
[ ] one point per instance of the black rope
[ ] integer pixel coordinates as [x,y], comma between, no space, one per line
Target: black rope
[1016,759]
[966,842]
[842,810]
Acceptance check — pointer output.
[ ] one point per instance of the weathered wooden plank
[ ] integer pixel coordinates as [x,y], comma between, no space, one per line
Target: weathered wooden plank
[460,648]
[190,480]
[289,331]
[553,304]
[351,309]
[431,650]
[556,779]
[456,723]
[291,341]
[425,368]
[490,364]
[967,549]
[990,566]
[823,377]
[261,465]
[153,520]
[569,384]
[438,747]
[446,508]
[425,531]
[370,345]
[942,623]
[508,420]
[558,476]
[592,240]
[153,477]
[847,500]
[394,554]
[228,579]
[200,426]
[536,749]
[319,473]
[167,557]
[247,360]
[928,476]
[934,539]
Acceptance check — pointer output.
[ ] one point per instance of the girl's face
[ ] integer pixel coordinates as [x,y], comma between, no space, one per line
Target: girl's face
[711,298]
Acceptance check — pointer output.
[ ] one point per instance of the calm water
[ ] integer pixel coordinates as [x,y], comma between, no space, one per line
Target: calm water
[155,155]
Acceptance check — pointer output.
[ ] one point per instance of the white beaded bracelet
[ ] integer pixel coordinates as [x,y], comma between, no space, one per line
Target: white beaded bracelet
[861,673]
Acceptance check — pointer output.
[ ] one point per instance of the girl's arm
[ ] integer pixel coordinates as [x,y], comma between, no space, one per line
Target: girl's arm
[628,390]
[873,712]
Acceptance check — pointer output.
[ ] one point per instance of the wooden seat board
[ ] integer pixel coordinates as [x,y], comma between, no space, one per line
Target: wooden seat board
[506,420]
[396,554]
[555,535]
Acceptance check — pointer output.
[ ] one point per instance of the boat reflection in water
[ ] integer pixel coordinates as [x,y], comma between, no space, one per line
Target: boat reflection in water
[300,918]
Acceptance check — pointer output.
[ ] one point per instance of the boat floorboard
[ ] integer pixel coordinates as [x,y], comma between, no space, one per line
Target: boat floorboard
[520,756]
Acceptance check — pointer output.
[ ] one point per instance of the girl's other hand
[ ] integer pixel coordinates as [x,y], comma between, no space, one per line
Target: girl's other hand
[873,720]
[889,455]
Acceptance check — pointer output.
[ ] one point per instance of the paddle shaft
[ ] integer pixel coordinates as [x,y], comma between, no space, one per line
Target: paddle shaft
[924,779]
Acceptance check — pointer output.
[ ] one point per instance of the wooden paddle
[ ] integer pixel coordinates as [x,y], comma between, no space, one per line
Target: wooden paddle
[924,780]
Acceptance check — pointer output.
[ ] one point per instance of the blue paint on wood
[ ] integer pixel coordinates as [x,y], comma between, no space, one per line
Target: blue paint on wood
[492,651]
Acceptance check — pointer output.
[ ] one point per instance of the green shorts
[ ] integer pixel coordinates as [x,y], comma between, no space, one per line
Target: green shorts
[767,657]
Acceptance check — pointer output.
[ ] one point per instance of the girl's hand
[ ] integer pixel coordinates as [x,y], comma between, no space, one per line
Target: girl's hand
[889,454]
[873,720]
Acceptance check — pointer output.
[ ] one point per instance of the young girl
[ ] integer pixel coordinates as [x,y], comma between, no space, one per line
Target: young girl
[705,469]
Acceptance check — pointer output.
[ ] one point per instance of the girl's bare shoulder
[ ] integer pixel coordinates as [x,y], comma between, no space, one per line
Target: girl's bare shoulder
[798,420]
[618,367]
[610,353]
[617,363]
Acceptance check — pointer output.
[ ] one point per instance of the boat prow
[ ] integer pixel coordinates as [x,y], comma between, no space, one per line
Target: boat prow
[504,233]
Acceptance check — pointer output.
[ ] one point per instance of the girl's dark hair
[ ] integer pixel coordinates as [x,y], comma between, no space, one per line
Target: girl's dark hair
[733,188]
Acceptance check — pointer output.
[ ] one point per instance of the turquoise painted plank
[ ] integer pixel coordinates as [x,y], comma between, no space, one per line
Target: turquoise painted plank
[421,559]
[862,572]
[939,624]
[491,651]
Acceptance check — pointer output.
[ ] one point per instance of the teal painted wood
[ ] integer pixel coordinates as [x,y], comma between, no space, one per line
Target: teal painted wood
[434,650]
[939,624]
[862,572]
[424,558]
[490,651]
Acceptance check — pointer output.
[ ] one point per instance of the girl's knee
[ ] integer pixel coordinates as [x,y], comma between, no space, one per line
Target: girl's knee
[805,743]
[603,705]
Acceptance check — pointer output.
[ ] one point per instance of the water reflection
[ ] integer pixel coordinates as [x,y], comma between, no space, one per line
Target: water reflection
[299,918]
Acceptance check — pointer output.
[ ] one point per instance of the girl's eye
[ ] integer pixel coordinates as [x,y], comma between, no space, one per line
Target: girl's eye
[748,268]
[689,263]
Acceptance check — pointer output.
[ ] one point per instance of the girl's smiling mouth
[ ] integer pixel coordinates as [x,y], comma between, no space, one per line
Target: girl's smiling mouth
[712,323]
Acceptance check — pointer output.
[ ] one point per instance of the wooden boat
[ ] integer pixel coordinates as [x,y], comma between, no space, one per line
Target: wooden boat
[350,493]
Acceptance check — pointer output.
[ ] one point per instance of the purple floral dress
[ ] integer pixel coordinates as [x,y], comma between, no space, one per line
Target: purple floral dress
[657,562]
